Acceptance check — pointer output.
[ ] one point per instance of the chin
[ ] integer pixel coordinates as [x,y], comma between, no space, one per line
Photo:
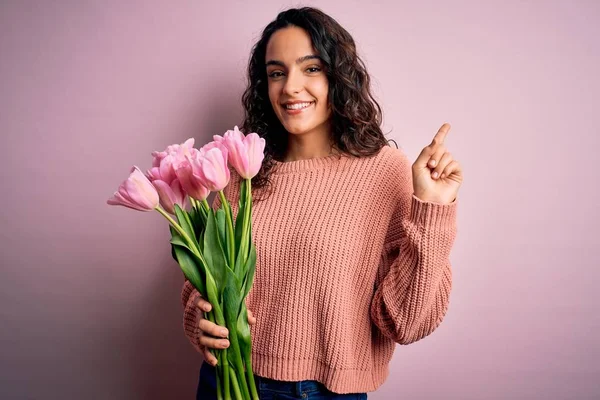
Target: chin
[294,130]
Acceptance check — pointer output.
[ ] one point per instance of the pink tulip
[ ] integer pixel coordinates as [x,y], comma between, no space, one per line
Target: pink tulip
[165,162]
[135,192]
[246,153]
[165,171]
[169,188]
[190,181]
[211,167]
[172,149]
[218,138]
[216,144]
[170,194]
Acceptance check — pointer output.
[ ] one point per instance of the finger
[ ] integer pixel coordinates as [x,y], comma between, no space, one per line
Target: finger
[452,168]
[202,304]
[440,136]
[210,328]
[434,159]
[209,357]
[251,319]
[212,342]
[441,165]
[423,158]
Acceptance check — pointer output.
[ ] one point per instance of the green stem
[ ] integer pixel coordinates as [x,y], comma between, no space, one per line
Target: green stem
[225,368]
[200,209]
[211,317]
[214,300]
[194,203]
[204,205]
[219,391]
[246,221]
[236,386]
[250,374]
[230,234]
[178,228]
[237,360]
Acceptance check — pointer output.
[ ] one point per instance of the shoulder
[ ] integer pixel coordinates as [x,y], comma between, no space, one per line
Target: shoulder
[395,173]
[393,161]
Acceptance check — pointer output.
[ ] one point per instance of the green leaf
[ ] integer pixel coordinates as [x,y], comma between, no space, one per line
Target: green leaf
[234,288]
[184,222]
[240,215]
[177,239]
[214,298]
[232,301]
[213,253]
[239,260]
[177,242]
[222,226]
[189,265]
[198,217]
[250,268]
[173,233]
[243,331]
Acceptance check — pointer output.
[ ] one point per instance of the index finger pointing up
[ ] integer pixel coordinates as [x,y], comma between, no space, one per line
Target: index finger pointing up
[440,136]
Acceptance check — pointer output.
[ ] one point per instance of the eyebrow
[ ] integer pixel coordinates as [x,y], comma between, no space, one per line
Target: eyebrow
[298,61]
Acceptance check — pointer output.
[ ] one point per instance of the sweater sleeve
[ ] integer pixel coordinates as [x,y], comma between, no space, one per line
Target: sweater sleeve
[414,279]
[191,314]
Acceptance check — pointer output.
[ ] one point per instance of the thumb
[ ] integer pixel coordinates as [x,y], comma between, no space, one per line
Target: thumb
[423,158]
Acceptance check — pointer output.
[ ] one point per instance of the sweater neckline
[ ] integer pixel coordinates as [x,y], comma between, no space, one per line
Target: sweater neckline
[308,164]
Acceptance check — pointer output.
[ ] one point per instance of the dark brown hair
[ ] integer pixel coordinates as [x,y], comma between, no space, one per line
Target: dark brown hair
[356,115]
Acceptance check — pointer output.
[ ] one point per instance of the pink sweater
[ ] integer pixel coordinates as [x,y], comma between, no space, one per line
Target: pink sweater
[349,263]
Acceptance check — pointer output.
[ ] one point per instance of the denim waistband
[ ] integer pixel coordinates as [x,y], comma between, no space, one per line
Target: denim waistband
[292,388]
[282,387]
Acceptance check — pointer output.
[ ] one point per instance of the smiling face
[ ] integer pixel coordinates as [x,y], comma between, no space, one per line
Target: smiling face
[298,86]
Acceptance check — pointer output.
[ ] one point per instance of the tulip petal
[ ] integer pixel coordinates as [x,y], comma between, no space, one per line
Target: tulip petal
[166,195]
[118,200]
[190,183]
[189,143]
[255,146]
[140,191]
[135,192]
[179,193]
[153,173]
[214,169]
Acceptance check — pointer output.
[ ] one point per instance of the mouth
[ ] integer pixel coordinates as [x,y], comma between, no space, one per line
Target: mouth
[295,108]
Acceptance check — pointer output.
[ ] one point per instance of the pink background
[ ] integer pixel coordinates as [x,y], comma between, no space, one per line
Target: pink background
[89,295]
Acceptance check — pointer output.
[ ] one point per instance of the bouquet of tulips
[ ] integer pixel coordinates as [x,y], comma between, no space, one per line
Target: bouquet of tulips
[215,254]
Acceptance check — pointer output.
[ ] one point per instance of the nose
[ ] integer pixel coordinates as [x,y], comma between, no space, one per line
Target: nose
[294,83]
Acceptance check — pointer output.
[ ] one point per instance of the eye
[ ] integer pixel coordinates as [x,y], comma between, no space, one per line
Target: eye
[275,74]
[313,69]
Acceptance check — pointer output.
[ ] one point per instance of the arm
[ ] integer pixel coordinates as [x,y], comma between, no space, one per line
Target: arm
[191,314]
[414,278]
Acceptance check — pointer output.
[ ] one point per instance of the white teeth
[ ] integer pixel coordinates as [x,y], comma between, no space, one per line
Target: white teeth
[297,106]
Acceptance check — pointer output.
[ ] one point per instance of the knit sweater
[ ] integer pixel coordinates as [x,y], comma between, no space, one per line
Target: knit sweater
[349,263]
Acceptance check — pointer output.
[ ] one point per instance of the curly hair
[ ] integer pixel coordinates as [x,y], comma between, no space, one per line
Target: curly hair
[356,115]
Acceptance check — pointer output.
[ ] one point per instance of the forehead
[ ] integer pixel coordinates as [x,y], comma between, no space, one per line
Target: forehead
[289,44]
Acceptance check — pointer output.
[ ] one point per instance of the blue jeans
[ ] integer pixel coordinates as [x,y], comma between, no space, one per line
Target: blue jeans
[269,389]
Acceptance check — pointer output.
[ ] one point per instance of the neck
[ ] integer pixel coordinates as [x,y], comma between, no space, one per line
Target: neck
[309,145]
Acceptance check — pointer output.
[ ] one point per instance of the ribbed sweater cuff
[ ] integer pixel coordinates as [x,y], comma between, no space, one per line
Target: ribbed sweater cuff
[191,317]
[433,215]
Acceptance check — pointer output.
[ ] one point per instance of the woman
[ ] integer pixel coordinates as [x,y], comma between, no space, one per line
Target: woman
[353,243]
